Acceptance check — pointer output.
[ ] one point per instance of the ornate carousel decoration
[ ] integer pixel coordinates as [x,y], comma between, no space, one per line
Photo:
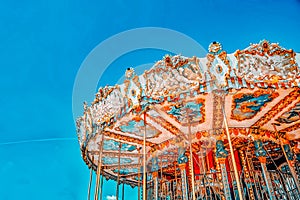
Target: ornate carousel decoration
[226,126]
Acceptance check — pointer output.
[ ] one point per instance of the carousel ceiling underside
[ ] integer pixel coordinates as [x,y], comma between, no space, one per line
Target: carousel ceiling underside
[182,97]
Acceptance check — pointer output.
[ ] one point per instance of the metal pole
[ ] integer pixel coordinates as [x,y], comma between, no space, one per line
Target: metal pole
[292,170]
[118,178]
[203,166]
[202,160]
[267,178]
[155,181]
[101,188]
[90,183]
[161,178]
[139,187]
[191,160]
[184,185]
[232,156]
[176,195]
[246,172]
[123,191]
[99,168]
[144,161]
[224,179]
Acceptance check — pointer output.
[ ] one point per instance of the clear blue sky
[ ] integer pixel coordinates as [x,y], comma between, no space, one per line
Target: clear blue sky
[42,45]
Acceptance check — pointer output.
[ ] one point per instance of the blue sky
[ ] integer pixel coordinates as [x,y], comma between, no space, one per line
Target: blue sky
[42,46]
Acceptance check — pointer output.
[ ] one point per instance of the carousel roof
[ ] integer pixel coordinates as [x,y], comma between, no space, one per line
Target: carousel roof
[258,87]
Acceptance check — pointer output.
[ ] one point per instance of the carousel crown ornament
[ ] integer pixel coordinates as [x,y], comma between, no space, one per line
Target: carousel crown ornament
[226,126]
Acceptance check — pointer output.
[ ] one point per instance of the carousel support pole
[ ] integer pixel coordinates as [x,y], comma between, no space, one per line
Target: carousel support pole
[90,183]
[118,178]
[191,159]
[139,186]
[99,168]
[117,190]
[154,170]
[161,177]
[192,172]
[289,155]
[182,160]
[255,176]
[247,174]
[221,155]
[203,169]
[176,194]
[202,160]
[144,160]
[184,184]
[155,180]
[236,174]
[101,188]
[297,164]
[261,153]
[123,190]
[267,178]
[139,191]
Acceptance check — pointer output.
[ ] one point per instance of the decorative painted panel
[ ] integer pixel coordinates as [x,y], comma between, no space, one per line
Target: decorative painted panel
[111,145]
[290,116]
[137,127]
[247,105]
[194,109]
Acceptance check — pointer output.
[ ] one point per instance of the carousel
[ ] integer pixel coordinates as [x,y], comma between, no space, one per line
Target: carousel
[226,126]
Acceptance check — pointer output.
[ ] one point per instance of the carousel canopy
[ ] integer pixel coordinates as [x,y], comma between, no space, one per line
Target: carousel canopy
[180,100]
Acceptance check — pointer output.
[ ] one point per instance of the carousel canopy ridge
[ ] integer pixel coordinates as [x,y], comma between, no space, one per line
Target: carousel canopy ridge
[258,87]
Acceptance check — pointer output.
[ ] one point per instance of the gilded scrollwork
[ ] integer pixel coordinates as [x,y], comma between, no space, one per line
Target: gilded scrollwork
[266,62]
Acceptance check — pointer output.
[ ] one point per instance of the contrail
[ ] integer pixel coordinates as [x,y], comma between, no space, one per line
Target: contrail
[38,140]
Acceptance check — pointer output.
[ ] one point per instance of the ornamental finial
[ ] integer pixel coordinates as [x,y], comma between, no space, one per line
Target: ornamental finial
[129,73]
[215,48]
